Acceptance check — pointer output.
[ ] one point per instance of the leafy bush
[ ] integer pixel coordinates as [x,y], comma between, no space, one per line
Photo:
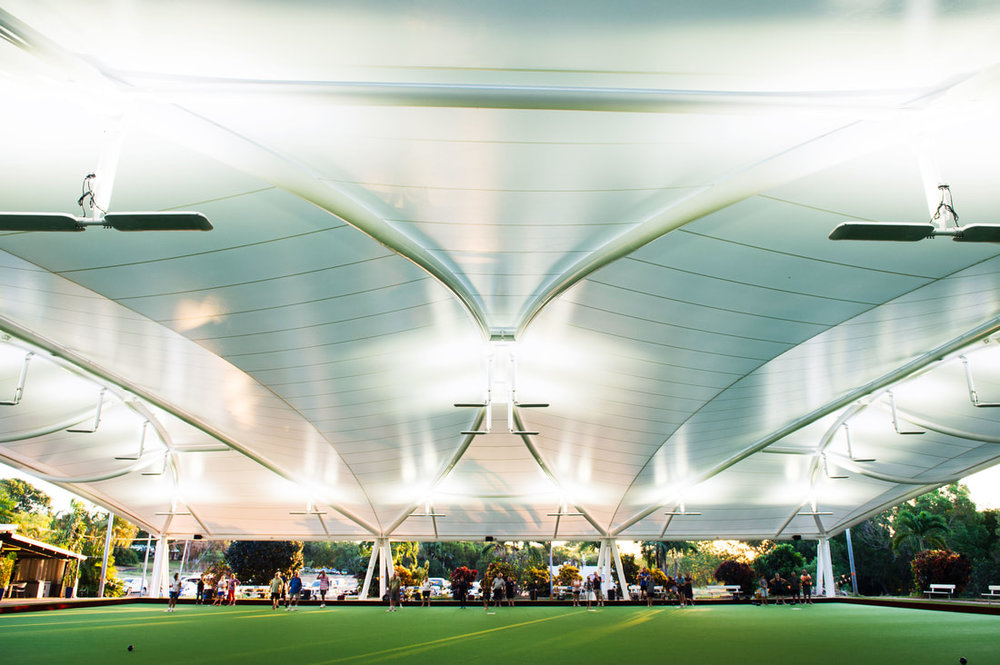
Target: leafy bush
[731,571]
[114,588]
[782,559]
[464,574]
[941,567]
[567,574]
[405,578]
[497,569]
[6,568]
[536,579]
[657,576]
[256,561]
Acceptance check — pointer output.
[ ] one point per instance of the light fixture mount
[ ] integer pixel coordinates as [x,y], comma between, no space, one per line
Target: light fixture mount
[944,222]
[94,215]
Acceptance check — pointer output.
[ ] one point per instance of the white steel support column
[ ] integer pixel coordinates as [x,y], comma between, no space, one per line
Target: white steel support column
[831,587]
[601,557]
[107,552]
[387,567]
[160,566]
[819,587]
[144,588]
[622,582]
[376,546]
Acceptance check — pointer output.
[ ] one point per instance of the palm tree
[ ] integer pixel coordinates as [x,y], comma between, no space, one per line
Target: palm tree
[921,531]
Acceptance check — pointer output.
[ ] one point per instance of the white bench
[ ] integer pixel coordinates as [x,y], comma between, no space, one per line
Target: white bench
[716,590]
[940,589]
[993,593]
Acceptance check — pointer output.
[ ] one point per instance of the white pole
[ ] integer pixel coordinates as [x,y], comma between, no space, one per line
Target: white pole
[387,567]
[143,587]
[187,544]
[819,588]
[156,583]
[831,587]
[371,569]
[107,553]
[622,582]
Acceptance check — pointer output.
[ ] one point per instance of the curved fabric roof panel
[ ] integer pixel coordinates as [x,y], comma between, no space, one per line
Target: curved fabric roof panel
[518,270]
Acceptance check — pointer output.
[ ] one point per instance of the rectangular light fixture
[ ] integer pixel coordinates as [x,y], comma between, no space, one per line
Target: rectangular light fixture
[895,231]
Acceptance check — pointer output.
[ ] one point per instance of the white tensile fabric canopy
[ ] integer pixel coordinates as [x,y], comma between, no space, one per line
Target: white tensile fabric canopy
[601,228]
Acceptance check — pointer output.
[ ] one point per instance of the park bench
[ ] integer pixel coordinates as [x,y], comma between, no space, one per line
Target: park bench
[994,592]
[716,590]
[940,589]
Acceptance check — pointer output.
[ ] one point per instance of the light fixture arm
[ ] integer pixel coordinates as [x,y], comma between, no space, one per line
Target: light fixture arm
[22,377]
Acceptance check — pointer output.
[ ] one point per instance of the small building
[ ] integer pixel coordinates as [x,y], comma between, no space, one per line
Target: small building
[39,568]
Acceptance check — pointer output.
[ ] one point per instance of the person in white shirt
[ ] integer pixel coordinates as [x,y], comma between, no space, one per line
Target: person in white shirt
[175,592]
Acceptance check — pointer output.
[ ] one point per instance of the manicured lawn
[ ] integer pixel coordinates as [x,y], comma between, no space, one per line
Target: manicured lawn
[834,634]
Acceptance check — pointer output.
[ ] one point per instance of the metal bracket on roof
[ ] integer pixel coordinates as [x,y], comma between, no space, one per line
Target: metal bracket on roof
[97,421]
[142,443]
[973,395]
[850,453]
[19,390]
[895,417]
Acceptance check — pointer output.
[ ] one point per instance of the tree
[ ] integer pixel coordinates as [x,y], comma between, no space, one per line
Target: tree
[781,559]
[630,568]
[919,531]
[736,572]
[567,574]
[84,532]
[536,579]
[941,567]
[256,561]
[27,498]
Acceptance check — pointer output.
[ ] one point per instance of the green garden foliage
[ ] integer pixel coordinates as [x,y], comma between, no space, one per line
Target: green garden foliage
[779,559]
[941,567]
[26,497]
[535,578]
[497,568]
[6,568]
[256,561]
[919,531]
[630,567]
[567,574]
[736,572]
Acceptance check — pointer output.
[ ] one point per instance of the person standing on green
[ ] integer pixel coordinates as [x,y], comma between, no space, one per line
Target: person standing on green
[294,592]
[277,585]
[393,593]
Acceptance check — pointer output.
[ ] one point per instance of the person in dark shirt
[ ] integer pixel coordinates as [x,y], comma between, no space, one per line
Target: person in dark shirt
[294,592]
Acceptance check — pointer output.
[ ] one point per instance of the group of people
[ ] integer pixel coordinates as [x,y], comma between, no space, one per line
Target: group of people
[592,588]
[681,588]
[287,591]
[498,590]
[222,593]
[796,589]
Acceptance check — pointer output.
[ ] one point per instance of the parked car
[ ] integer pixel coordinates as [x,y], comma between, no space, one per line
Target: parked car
[134,586]
[474,593]
[439,586]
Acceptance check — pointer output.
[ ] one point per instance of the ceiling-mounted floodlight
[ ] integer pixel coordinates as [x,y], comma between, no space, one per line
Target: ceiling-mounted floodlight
[21,379]
[683,511]
[850,452]
[937,226]
[97,418]
[826,470]
[310,510]
[163,469]
[895,418]
[142,445]
[973,395]
[120,221]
